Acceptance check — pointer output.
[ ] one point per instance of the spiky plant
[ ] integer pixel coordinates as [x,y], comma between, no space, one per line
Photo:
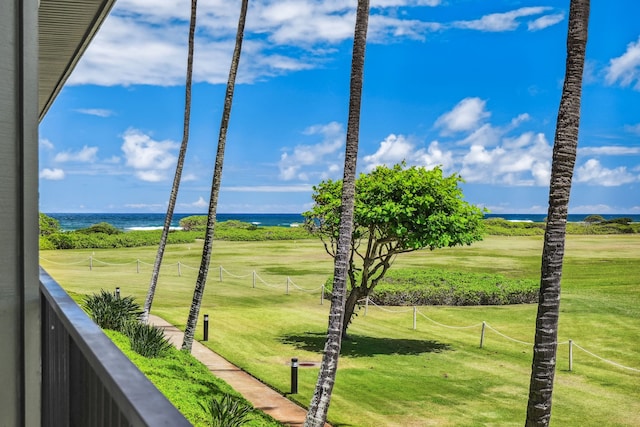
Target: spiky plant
[227,411]
[146,340]
[110,311]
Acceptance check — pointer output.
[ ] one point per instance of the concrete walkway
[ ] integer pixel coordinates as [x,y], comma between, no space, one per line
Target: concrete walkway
[260,395]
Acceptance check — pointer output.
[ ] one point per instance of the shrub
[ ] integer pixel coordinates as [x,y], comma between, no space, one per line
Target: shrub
[146,340]
[439,287]
[227,411]
[593,218]
[48,225]
[110,311]
[101,227]
[194,223]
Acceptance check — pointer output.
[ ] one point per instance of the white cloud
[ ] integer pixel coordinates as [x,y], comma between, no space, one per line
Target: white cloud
[45,144]
[465,116]
[633,129]
[151,206]
[520,161]
[139,44]
[545,21]
[303,162]
[96,112]
[397,3]
[625,69]
[52,174]
[507,21]
[592,172]
[150,159]
[302,188]
[85,155]
[200,203]
[612,150]
[395,149]
[592,209]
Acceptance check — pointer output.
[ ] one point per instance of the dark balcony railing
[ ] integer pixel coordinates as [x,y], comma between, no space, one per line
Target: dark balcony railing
[86,380]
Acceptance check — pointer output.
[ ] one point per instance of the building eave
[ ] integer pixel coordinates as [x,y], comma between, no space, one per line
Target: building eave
[65,30]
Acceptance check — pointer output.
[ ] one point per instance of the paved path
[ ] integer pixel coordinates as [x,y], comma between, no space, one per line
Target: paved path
[260,395]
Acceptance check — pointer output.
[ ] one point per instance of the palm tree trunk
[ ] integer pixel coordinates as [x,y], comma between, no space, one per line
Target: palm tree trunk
[564,157]
[176,178]
[215,186]
[317,414]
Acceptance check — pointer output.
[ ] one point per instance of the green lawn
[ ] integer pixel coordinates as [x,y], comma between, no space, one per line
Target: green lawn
[390,374]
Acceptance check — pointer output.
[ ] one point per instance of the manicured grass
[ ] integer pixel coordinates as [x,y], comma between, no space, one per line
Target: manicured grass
[390,374]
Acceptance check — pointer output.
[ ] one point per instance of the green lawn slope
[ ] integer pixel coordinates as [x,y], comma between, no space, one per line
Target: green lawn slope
[391,374]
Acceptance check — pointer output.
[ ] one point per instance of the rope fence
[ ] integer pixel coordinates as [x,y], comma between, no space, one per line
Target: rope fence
[366,302]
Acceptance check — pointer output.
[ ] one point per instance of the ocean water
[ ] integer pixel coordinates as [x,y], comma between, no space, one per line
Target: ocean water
[150,221]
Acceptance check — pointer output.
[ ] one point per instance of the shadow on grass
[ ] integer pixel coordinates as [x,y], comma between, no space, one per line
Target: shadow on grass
[364,346]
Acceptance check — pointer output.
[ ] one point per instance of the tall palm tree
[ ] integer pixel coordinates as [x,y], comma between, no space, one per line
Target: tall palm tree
[317,414]
[198,292]
[176,178]
[564,157]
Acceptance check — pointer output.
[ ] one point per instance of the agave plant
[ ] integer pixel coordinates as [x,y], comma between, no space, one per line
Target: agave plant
[227,411]
[146,340]
[110,311]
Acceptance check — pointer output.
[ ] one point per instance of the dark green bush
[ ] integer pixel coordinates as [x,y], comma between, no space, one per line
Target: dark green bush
[594,218]
[439,287]
[227,411]
[502,227]
[101,228]
[110,311]
[146,340]
[194,223]
[48,225]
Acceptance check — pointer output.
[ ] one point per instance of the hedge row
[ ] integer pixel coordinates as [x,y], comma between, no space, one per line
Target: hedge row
[439,287]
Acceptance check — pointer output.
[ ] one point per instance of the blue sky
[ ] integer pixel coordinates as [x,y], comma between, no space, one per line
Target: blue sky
[472,86]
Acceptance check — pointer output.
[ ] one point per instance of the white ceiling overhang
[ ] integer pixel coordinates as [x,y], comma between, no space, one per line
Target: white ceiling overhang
[65,30]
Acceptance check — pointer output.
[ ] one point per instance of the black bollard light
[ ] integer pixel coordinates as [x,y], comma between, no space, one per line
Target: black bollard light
[118,293]
[294,375]
[206,328]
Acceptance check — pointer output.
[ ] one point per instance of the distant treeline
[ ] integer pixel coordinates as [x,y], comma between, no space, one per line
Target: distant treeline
[105,235]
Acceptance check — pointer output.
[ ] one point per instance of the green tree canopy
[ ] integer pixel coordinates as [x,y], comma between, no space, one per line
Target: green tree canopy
[398,209]
[48,225]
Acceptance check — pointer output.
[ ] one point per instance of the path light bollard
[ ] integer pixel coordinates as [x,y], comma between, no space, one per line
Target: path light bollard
[294,375]
[206,328]
[482,334]
[118,293]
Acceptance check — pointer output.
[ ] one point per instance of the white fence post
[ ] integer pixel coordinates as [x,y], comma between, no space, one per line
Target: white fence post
[254,278]
[138,266]
[415,311]
[90,263]
[179,270]
[366,305]
[287,285]
[570,355]
[484,324]
[322,295]
[221,273]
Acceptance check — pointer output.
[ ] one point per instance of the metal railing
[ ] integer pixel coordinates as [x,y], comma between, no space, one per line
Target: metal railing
[86,380]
